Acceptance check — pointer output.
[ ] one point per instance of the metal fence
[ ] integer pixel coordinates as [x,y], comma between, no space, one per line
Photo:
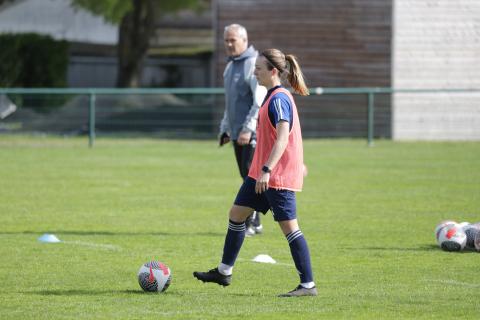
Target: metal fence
[190,112]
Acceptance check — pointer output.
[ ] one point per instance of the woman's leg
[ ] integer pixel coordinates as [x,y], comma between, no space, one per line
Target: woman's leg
[299,250]
[234,238]
[233,243]
[239,213]
[288,226]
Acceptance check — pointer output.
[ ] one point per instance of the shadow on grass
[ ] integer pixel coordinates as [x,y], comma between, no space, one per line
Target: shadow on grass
[82,292]
[429,247]
[85,292]
[423,248]
[120,233]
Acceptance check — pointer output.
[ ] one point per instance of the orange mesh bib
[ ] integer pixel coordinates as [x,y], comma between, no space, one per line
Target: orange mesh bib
[288,172]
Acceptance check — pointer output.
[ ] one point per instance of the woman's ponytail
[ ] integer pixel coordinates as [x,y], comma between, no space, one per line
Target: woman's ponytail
[295,76]
[287,64]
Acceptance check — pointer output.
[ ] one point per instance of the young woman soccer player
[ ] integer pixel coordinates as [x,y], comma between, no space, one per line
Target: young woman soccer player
[276,172]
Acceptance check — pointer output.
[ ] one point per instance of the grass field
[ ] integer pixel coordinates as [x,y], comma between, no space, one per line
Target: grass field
[367,213]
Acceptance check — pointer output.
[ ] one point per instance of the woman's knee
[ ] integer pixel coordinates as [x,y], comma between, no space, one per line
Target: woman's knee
[239,213]
[289,226]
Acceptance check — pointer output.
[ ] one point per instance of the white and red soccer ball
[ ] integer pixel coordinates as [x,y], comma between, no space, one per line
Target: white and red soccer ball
[441,225]
[451,237]
[154,276]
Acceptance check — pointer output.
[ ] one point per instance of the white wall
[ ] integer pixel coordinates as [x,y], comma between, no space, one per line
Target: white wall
[436,44]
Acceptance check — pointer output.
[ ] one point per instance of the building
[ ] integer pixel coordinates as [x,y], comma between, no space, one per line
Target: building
[373,43]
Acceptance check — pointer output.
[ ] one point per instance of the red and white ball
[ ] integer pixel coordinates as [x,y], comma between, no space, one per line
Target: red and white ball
[154,276]
[452,238]
[441,225]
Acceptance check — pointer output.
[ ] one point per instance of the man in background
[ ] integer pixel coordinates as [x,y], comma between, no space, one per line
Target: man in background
[243,97]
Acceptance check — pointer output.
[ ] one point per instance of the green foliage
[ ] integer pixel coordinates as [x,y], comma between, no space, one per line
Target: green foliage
[10,63]
[114,10]
[111,10]
[176,5]
[34,61]
[31,60]
[368,215]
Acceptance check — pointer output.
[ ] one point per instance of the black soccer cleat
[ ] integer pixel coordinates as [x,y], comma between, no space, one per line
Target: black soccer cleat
[213,276]
[300,292]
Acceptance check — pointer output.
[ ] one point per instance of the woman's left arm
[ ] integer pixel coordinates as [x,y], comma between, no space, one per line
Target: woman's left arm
[283,130]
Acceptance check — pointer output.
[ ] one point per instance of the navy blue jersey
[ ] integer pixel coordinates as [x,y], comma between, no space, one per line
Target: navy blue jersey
[279,108]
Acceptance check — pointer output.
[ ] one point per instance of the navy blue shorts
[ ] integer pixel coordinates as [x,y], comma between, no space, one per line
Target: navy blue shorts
[281,202]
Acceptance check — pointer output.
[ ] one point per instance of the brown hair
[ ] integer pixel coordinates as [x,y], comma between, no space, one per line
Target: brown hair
[287,64]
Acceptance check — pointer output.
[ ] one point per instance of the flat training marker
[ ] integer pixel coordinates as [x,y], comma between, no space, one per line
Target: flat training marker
[49,238]
[264,258]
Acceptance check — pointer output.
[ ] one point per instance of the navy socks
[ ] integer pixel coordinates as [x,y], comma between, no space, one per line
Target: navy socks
[233,242]
[301,255]
[298,248]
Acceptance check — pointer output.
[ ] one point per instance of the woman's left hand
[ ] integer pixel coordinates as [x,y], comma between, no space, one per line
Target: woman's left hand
[262,183]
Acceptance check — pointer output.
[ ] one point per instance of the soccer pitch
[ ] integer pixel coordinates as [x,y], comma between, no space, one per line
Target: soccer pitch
[368,215]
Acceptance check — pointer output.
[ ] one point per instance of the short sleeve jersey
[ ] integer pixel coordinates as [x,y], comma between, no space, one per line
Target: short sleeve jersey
[279,108]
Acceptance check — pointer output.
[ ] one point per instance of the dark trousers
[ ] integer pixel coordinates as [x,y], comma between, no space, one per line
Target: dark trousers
[244,156]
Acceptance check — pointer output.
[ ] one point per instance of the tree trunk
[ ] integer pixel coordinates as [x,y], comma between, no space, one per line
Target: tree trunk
[135,31]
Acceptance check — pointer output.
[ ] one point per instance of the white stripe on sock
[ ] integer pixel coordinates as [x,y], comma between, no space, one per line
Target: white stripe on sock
[236,227]
[291,234]
[297,236]
[294,235]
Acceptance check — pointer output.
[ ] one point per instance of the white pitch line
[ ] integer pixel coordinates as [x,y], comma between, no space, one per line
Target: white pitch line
[458,283]
[95,245]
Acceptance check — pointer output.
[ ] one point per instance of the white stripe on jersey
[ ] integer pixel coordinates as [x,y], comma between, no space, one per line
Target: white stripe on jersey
[277,103]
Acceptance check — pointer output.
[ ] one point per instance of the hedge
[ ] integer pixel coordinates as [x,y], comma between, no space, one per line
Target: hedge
[31,60]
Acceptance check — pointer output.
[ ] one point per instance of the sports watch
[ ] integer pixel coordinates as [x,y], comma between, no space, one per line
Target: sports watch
[266,169]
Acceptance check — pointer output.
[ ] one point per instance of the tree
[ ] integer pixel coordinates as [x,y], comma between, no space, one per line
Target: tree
[136,25]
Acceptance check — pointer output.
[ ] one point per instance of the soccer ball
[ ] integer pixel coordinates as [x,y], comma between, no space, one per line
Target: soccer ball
[452,238]
[471,231]
[476,242]
[440,226]
[154,276]
[464,224]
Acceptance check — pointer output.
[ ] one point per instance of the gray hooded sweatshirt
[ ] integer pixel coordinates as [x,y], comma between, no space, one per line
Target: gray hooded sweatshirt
[243,95]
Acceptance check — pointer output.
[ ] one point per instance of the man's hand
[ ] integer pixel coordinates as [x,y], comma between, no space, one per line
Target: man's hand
[224,139]
[244,138]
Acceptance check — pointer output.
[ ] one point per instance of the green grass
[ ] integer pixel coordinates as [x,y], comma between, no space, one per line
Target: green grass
[367,213]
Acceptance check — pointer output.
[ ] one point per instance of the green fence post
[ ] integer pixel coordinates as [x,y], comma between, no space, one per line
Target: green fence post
[91,122]
[371,102]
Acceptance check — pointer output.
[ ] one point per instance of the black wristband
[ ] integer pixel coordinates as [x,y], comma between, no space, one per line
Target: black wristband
[266,169]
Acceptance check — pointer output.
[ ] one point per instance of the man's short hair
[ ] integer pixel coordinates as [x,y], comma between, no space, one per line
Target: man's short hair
[238,28]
